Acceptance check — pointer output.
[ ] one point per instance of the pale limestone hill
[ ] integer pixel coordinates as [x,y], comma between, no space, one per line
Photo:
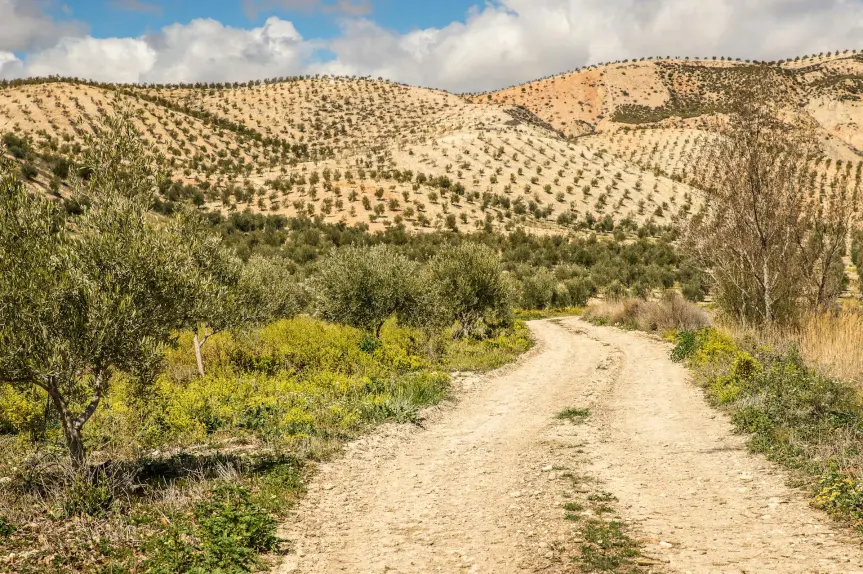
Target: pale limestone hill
[623,140]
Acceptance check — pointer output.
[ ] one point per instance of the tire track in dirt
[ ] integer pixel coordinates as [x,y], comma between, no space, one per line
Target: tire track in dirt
[479,491]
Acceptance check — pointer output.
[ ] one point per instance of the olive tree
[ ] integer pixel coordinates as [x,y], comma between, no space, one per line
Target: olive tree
[365,286]
[81,301]
[236,295]
[104,292]
[538,289]
[468,286]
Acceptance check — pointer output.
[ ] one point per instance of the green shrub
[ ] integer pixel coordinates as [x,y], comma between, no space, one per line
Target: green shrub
[537,290]
[233,529]
[29,171]
[840,494]
[686,343]
[228,532]
[580,291]
[465,284]
[6,527]
[694,290]
[363,287]
[615,291]
[87,495]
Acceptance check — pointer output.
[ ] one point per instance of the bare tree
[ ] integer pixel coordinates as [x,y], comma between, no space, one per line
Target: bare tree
[768,238]
[822,241]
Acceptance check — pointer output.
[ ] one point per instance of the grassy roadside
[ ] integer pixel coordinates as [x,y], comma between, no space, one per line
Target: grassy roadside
[538,314]
[795,416]
[194,475]
[796,394]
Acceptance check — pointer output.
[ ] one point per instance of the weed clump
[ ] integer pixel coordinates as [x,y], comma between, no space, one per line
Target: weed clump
[607,547]
[227,532]
[576,416]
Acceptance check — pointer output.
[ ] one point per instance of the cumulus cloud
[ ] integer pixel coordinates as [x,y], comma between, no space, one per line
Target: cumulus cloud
[105,60]
[10,65]
[510,41]
[25,26]
[205,50]
[495,45]
[202,50]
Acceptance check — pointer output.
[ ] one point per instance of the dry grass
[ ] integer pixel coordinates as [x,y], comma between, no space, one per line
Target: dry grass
[832,343]
[670,313]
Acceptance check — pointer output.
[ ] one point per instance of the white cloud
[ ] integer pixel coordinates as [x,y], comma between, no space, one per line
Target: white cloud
[105,60]
[501,43]
[202,50]
[205,50]
[511,41]
[25,26]
[10,65]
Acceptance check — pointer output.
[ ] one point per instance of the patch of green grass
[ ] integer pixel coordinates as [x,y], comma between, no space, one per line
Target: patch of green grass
[228,532]
[279,485]
[606,547]
[576,416]
[488,354]
[602,497]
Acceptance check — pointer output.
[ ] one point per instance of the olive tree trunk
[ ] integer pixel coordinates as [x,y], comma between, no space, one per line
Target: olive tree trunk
[198,358]
[73,425]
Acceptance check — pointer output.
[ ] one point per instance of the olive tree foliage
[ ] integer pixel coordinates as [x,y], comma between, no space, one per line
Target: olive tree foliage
[465,284]
[81,300]
[107,291]
[538,289]
[769,238]
[365,286]
[234,294]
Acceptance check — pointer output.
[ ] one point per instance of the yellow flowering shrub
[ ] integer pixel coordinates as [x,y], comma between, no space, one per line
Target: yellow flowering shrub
[21,410]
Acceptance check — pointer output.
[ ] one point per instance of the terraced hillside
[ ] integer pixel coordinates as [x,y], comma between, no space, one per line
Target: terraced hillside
[605,144]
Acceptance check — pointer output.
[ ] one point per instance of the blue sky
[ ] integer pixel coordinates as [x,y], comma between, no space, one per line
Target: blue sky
[459,45]
[134,18]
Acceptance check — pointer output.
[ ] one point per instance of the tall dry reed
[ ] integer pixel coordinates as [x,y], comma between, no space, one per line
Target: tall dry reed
[830,342]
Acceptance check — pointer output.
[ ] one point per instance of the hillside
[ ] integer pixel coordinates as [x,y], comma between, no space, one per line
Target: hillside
[619,140]
[656,112]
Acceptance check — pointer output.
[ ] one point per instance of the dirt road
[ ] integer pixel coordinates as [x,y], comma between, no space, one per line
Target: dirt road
[481,488]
